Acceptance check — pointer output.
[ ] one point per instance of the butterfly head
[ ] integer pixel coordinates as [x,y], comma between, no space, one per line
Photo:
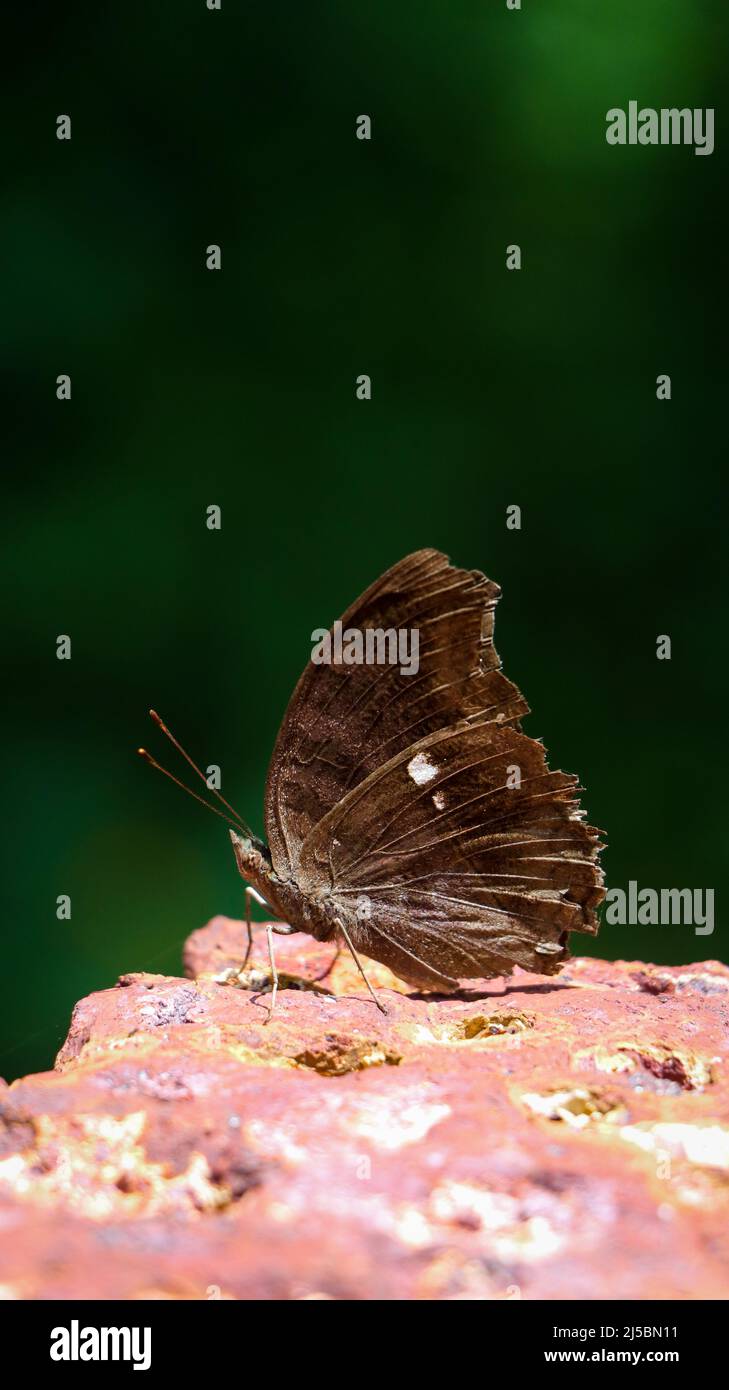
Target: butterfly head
[251,855]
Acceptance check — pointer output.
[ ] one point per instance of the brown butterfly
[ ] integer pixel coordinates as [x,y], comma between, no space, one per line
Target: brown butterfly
[407,814]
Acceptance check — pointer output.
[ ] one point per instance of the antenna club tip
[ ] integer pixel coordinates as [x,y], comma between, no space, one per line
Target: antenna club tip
[154,715]
[143,753]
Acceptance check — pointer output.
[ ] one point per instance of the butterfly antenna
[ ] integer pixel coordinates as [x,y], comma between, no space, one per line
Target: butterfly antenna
[168,734]
[153,763]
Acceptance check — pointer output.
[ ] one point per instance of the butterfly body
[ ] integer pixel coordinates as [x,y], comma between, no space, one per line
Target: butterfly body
[315,916]
[323,916]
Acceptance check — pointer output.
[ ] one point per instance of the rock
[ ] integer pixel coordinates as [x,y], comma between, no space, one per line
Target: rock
[526,1138]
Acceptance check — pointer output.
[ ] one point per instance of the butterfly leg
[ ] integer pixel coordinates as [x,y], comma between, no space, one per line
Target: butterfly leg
[251,893]
[281,929]
[358,964]
[274,972]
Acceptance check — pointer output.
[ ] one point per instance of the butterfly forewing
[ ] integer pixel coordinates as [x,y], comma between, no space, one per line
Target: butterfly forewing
[344,721]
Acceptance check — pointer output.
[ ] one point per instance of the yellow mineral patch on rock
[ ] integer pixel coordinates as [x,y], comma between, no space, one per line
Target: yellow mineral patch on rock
[97,1166]
[576,1107]
[343,1056]
[676,1064]
[484,1026]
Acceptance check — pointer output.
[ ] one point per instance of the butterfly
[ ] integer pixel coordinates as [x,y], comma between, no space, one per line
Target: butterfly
[407,814]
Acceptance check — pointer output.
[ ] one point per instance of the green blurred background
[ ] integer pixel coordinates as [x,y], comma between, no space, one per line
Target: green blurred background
[489,388]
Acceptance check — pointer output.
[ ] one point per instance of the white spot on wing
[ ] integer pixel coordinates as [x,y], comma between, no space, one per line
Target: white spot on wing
[438,800]
[421,769]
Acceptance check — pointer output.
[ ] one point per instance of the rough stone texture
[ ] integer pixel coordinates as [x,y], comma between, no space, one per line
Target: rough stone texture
[527,1138]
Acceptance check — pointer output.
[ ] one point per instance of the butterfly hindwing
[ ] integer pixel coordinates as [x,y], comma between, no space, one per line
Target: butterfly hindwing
[465,852]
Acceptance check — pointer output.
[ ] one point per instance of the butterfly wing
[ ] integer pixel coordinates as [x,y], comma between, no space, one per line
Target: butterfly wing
[460,857]
[343,721]
[417,804]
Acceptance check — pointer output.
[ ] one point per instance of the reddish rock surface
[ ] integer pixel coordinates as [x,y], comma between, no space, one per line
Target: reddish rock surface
[527,1138]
